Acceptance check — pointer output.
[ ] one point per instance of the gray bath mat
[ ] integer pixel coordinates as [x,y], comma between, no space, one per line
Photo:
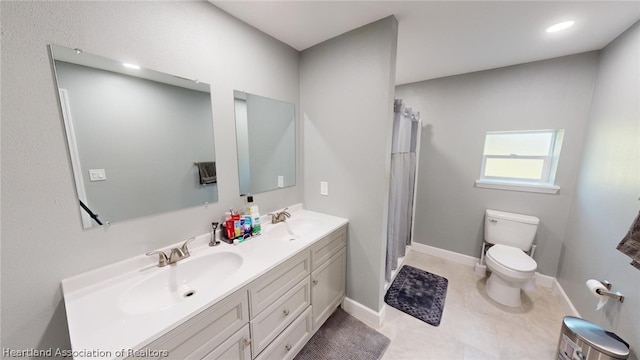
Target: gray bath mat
[343,337]
[418,293]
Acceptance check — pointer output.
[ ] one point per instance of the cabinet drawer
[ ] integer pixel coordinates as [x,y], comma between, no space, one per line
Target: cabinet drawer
[234,348]
[279,315]
[269,287]
[290,342]
[205,331]
[324,249]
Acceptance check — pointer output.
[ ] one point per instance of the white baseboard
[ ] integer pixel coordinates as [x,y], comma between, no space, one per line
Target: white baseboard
[563,299]
[541,280]
[363,313]
[544,280]
[445,254]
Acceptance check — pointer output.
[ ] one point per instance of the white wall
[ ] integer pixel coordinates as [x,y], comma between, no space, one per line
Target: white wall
[458,111]
[42,239]
[606,199]
[346,87]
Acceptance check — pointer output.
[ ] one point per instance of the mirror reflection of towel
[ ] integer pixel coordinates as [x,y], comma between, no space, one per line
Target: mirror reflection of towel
[207,171]
[630,244]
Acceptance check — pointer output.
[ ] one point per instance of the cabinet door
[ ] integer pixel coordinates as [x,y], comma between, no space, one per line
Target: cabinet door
[234,348]
[327,287]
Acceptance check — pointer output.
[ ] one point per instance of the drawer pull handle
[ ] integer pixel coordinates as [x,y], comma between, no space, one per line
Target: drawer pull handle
[247,342]
[288,347]
[315,281]
[285,312]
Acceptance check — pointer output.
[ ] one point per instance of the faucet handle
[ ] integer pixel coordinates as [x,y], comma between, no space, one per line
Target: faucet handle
[162,257]
[184,247]
[274,218]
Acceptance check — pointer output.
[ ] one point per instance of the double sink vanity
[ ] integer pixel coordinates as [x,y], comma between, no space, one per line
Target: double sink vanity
[261,299]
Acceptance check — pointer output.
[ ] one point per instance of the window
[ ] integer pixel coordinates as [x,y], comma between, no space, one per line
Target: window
[521,160]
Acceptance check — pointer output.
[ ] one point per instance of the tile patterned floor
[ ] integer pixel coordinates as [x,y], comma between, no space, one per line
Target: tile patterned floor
[474,326]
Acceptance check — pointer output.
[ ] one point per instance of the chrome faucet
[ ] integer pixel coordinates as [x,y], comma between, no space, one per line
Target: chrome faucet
[214,241]
[176,254]
[280,217]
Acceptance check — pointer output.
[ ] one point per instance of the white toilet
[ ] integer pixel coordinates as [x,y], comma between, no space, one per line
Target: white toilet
[512,235]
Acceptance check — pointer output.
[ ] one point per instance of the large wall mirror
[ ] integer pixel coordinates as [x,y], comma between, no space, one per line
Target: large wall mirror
[266,140]
[140,141]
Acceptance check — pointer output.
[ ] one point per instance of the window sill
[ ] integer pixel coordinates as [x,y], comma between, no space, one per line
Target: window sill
[514,186]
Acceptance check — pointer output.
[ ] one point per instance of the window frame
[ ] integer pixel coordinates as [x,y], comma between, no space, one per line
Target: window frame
[545,184]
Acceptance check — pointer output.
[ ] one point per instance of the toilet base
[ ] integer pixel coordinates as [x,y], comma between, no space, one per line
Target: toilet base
[505,293]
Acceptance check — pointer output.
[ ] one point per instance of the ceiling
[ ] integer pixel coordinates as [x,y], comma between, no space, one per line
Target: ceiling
[443,38]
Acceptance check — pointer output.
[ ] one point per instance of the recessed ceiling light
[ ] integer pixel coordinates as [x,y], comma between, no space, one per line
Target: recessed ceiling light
[131,66]
[560,26]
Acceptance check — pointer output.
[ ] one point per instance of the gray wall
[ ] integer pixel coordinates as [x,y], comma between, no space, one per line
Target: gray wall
[606,197]
[42,239]
[145,134]
[346,87]
[458,110]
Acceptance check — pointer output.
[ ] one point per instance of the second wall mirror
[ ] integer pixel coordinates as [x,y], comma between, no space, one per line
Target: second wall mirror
[266,140]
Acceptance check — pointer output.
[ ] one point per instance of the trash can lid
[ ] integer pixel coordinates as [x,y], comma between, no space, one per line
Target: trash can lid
[594,335]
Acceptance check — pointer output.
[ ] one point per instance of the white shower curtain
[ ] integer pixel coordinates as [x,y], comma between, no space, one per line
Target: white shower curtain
[401,189]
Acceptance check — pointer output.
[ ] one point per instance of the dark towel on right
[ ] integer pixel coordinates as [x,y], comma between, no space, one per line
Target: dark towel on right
[207,172]
[630,244]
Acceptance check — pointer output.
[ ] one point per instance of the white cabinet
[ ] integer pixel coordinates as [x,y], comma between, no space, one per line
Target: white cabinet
[204,332]
[291,341]
[327,289]
[270,323]
[269,287]
[237,347]
[328,246]
[329,265]
[276,301]
[274,316]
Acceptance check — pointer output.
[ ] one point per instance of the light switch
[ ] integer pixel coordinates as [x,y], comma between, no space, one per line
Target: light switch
[324,188]
[97,175]
[280,181]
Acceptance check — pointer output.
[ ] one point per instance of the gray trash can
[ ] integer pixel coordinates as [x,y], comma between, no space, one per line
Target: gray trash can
[584,340]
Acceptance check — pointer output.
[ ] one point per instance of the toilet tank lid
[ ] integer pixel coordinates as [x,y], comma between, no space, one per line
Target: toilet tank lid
[525,219]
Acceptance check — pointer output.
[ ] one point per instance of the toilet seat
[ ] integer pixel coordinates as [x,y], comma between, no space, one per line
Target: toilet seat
[511,258]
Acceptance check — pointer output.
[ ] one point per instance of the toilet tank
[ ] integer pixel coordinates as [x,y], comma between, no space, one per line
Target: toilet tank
[510,229]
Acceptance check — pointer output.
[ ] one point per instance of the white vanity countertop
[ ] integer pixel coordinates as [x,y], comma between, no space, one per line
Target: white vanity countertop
[100,328]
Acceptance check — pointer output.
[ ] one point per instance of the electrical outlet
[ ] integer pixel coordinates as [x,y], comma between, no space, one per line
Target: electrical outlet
[324,188]
[280,181]
[97,175]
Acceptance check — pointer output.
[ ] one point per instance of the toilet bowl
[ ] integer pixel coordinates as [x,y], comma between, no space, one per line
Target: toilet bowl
[510,269]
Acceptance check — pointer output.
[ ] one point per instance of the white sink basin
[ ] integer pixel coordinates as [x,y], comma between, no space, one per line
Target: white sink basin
[177,283]
[294,228]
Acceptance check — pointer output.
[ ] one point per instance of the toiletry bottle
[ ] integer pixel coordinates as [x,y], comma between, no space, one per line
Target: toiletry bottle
[228,229]
[240,230]
[229,225]
[247,225]
[255,220]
